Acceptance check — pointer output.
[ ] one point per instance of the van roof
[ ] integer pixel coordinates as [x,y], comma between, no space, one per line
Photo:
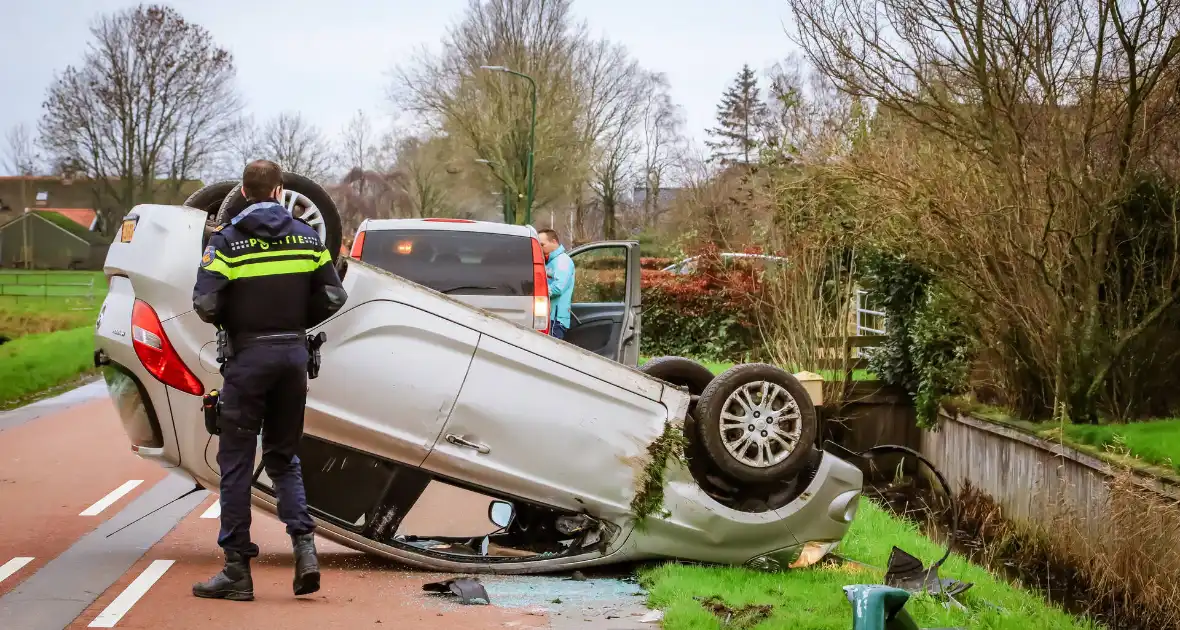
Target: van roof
[455,225]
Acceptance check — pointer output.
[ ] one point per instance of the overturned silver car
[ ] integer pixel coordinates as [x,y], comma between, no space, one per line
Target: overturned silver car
[580,458]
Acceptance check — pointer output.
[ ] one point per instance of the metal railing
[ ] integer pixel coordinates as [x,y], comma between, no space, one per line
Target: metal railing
[72,288]
[863,314]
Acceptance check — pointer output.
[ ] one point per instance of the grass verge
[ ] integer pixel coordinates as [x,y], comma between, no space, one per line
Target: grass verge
[813,598]
[1151,445]
[38,362]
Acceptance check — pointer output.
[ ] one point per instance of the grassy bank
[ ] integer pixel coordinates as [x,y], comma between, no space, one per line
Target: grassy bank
[813,599]
[38,362]
[1153,445]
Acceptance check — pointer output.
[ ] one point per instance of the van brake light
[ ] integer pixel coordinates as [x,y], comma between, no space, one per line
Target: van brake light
[540,290]
[358,245]
[156,352]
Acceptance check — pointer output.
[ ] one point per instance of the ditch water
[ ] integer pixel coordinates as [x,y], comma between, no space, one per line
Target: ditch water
[918,499]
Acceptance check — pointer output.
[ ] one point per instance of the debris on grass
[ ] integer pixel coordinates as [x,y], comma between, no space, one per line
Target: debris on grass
[747,616]
[649,496]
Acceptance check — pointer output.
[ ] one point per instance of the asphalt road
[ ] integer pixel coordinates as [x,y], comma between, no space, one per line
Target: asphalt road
[70,485]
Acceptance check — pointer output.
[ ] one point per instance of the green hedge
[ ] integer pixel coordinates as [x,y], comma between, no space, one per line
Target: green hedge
[709,314]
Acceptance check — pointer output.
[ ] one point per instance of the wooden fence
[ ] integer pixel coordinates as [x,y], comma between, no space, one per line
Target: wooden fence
[79,289]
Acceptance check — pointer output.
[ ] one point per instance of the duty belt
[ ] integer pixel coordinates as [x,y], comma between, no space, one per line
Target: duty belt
[246,339]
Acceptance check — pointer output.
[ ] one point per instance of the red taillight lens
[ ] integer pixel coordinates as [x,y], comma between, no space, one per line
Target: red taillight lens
[358,244]
[157,354]
[540,290]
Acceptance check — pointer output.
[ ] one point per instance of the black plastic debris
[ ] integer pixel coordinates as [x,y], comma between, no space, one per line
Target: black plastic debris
[467,589]
[907,572]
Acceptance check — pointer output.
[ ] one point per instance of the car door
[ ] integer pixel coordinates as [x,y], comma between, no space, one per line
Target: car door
[549,428]
[605,316]
[389,375]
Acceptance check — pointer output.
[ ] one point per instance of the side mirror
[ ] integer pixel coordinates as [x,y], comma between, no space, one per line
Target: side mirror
[501,513]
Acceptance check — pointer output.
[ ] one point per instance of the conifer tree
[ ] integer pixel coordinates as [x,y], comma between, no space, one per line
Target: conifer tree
[740,118]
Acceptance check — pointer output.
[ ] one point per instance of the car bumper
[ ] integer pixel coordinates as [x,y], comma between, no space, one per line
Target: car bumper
[701,529]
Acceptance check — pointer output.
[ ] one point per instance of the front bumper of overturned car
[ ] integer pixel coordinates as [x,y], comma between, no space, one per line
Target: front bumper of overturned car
[699,528]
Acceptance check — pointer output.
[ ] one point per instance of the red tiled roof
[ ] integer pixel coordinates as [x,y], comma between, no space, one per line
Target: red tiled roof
[81,216]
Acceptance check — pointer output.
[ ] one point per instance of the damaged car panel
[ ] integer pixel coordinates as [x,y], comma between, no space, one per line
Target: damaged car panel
[419,390]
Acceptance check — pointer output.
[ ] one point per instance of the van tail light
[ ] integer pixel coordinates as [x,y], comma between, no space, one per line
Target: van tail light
[540,290]
[358,245]
[156,352]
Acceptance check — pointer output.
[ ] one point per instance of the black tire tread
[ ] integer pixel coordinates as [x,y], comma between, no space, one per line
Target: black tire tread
[708,421]
[679,371]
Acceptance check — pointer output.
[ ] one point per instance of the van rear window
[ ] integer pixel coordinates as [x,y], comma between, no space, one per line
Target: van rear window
[454,262]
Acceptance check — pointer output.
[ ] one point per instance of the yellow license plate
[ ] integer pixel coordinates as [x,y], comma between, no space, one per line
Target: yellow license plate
[127,231]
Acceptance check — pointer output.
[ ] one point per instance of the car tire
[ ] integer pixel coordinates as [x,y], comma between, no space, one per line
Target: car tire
[230,206]
[679,371]
[209,198]
[747,381]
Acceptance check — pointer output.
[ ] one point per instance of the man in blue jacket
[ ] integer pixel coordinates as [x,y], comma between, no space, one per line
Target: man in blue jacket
[559,267]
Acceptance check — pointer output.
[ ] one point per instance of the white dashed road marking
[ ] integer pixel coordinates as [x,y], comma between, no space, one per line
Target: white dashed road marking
[135,590]
[12,566]
[214,510]
[108,500]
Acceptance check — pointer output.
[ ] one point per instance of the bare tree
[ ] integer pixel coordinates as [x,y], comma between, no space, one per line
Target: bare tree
[20,151]
[146,109]
[360,150]
[617,95]
[663,143]
[298,146]
[1020,129]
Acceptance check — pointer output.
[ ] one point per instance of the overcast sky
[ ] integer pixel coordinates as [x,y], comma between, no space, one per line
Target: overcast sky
[327,58]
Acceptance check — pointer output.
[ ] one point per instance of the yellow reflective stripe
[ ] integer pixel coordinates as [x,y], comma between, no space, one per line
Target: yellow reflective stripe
[271,268]
[269,254]
[218,267]
[324,258]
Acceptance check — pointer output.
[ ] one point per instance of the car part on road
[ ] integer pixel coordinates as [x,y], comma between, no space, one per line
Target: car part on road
[757,423]
[467,589]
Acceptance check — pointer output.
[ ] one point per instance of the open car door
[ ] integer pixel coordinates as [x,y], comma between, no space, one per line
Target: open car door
[605,314]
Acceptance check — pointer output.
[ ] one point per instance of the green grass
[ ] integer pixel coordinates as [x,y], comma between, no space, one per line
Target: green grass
[813,599]
[38,362]
[829,375]
[1156,442]
[51,284]
[1147,444]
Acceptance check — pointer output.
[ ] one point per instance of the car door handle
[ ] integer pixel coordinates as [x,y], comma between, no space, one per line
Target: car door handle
[458,440]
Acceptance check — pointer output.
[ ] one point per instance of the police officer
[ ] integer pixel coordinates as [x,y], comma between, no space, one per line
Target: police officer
[264,279]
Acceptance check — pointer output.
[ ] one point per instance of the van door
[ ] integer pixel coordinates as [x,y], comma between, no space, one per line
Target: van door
[605,314]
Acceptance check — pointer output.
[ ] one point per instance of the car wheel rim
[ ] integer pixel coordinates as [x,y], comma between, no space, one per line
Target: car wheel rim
[309,212]
[760,424]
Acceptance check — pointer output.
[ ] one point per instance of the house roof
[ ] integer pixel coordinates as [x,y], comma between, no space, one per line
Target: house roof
[65,223]
[82,216]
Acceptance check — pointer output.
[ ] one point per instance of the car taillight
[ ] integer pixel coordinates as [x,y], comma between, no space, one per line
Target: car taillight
[157,354]
[540,290]
[358,244]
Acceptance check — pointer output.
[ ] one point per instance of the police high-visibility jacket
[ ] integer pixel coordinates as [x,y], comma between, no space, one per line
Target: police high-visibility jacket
[266,272]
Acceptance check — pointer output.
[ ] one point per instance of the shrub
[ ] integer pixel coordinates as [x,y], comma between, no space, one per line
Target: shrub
[928,345]
[708,314]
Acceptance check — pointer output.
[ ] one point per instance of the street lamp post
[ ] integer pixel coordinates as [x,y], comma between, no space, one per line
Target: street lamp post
[528,207]
[504,205]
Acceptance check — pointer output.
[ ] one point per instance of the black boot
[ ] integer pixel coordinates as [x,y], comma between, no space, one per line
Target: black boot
[233,582]
[307,566]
